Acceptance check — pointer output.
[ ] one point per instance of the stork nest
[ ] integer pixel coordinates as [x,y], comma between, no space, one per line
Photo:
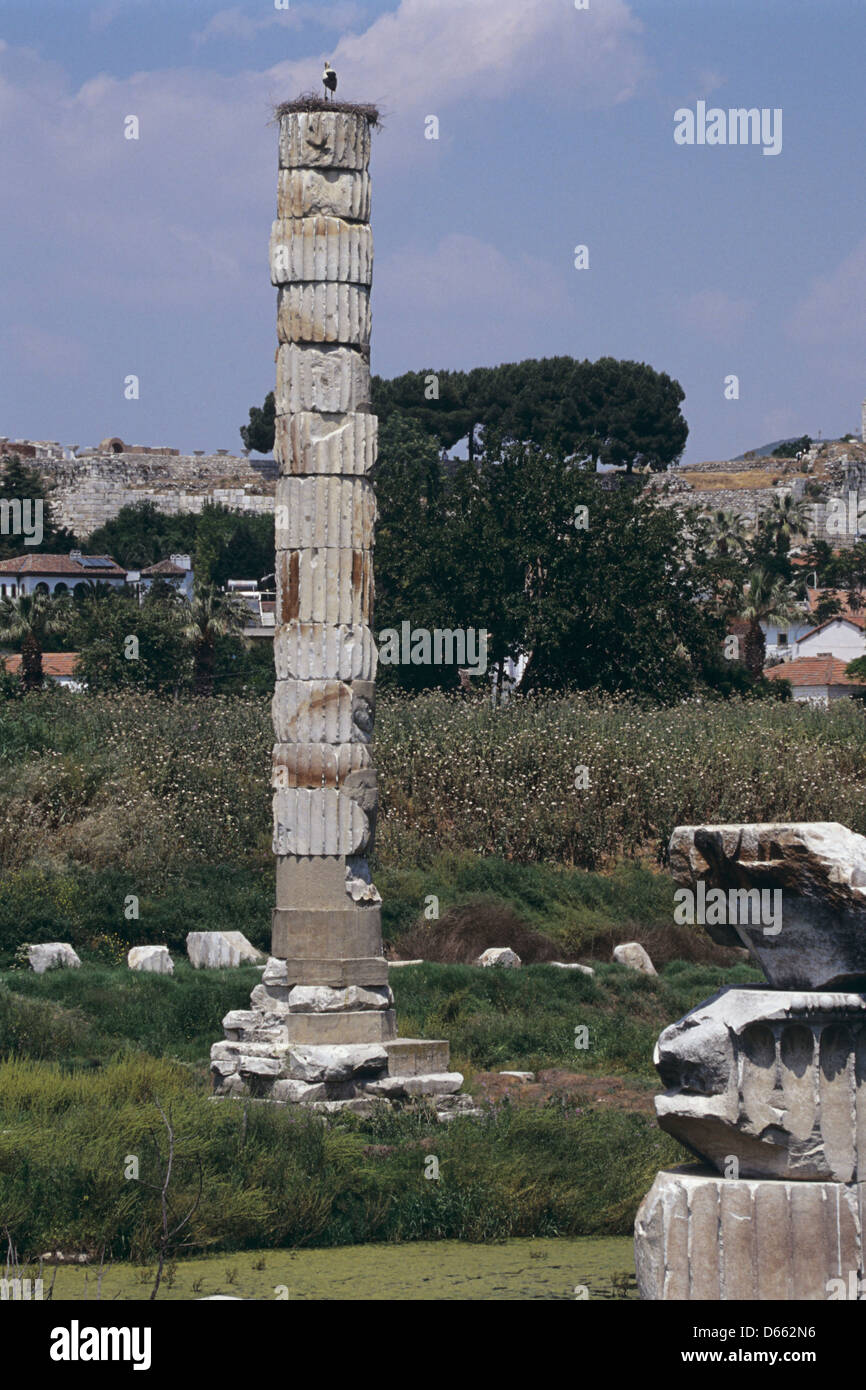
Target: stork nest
[311,101]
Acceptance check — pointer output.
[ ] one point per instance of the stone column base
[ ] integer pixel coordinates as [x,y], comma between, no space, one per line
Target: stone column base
[699,1236]
[331,1049]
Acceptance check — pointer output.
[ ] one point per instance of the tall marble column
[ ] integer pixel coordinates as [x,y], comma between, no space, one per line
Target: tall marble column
[327,923]
[321,1030]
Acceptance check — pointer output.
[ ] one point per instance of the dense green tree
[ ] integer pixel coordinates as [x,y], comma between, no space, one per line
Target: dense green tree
[623,605]
[439,403]
[243,666]
[766,599]
[211,615]
[123,644]
[784,521]
[258,435]
[790,448]
[617,413]
[842,574]
[20,484]
[31,619]
[727,533]
[409,539]
[597,584]
[141,535]
[232,545]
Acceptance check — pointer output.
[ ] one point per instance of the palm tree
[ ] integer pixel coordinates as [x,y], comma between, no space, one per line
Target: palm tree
[212,614]
[786,518]
[766,599]
[727,532]
[31,618]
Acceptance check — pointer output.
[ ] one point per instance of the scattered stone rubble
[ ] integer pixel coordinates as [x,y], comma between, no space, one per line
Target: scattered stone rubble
[499,955]
[220,950]
[52,955]
[632,955]
[154,960]
[765,1084]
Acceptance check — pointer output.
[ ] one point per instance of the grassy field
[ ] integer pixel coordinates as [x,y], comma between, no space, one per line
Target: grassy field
[126,820]
[92,1054]
[113,799]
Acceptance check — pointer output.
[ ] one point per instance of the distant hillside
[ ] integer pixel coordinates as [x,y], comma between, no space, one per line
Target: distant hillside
[768,448]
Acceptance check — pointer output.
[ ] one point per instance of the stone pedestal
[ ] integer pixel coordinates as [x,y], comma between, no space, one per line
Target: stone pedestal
[699,1236]
[767,1084]
[321,1027]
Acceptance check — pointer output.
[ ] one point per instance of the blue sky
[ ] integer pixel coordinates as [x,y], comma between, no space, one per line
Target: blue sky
[556,129]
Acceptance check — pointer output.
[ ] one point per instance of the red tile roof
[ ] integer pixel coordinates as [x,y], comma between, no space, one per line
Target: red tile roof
[164,569]
[814,670]
[53,565]
[53,663]
[814,597]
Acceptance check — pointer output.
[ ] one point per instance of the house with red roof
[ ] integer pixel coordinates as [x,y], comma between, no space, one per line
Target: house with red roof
[843,637]
[176,571]
[820,679]
[58,575]
[58,667]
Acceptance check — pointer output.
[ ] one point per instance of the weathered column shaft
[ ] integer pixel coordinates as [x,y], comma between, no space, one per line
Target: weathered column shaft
[320,1029]
[326,923]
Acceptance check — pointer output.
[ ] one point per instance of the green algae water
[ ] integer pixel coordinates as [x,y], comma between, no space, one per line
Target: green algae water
[516,1270]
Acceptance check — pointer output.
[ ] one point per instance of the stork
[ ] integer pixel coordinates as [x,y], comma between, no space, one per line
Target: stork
[329,78]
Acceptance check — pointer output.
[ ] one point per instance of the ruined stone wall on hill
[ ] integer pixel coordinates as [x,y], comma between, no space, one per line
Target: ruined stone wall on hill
[743,501]
[89,491]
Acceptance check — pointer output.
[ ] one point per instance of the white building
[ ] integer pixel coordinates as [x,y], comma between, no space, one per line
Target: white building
[58,575]
[843,638]
[262,604]
[176,571]
[820,679]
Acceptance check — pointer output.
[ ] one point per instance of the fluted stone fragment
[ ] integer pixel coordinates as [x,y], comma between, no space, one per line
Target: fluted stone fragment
[325,140]
[774,1079]
[311,442]
[319,822]
[321,248]
[818,869]
[332,380]
[325,511]
[324,192]
[316,651]
[333,586]
[324,313]
[701,1237]
[327,711]
[317,764]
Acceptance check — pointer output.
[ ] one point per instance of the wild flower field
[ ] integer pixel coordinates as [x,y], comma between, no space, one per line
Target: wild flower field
[144,784]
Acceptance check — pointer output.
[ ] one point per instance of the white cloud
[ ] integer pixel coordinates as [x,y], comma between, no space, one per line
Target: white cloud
[238,24]
[463,271]
[713,314]
[181,214]
[832,311]
[432,53]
